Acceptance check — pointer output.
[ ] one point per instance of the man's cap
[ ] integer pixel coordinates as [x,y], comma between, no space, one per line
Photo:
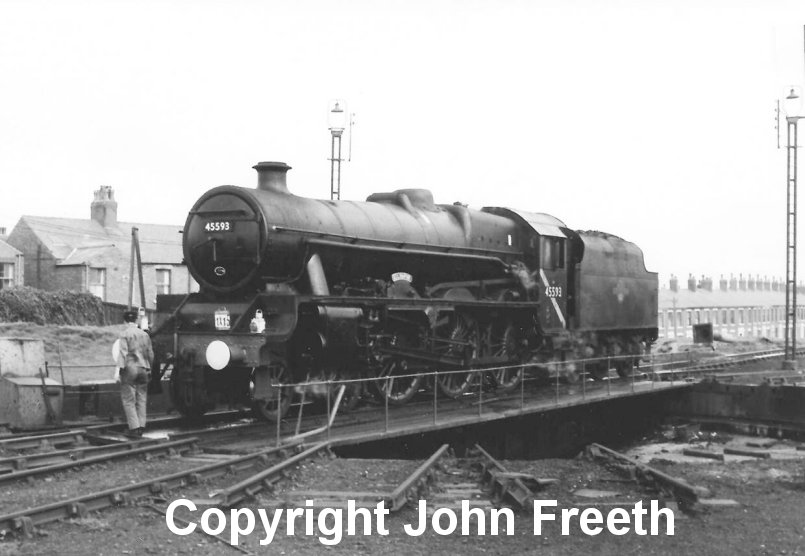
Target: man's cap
[130,316]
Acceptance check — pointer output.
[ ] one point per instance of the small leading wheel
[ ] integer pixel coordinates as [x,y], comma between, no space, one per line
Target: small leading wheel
[278,400]
[272,409]
[353,392]
[187,390]
[393,387]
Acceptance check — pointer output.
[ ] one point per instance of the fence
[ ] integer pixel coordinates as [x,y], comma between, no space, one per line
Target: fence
[113,313]
[653,370]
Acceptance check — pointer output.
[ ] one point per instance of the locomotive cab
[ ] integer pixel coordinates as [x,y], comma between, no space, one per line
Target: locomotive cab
[546,255]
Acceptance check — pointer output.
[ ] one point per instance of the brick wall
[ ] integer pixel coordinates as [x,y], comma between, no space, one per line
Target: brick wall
[39,268]
[71,278]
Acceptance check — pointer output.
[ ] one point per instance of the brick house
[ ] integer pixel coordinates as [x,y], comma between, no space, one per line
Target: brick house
[94,255]
[11,263]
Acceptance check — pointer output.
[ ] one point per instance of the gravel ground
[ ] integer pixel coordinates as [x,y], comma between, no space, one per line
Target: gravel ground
[768,519]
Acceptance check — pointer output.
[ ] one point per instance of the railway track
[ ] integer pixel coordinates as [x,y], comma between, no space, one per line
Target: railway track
[417,485]
[24,521]
[711,365]
[479,481]
[33,466]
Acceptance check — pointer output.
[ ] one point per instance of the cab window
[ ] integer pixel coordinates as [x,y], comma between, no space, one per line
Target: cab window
[552,251]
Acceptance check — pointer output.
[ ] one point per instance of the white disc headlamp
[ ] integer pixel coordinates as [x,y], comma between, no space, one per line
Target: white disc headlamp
[218,355]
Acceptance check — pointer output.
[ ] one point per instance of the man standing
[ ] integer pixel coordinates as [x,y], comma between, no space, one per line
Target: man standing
[136,355]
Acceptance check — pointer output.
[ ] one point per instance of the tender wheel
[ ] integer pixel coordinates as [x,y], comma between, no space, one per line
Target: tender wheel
[625,367]
[505,344]
[598,370]
[571,376]
[457,337]
[276,404]
[393,387]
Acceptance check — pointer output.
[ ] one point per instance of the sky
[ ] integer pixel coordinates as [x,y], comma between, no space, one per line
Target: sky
[651,120]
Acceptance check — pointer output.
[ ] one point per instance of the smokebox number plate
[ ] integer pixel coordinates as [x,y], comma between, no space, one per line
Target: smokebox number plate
[218,226]
[222,319]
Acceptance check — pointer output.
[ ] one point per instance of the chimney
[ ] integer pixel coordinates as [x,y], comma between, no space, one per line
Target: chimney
[271,176]
[691,283]
[104,207]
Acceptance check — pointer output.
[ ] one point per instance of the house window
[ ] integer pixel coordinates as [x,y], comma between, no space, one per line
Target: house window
[6,275]
[97,282]
[163,281]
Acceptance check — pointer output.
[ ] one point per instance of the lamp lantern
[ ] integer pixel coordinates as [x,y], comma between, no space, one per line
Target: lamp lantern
[337,118]
[792,103]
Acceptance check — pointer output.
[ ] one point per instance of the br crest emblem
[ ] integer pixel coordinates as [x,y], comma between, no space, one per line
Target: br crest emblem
[620,291]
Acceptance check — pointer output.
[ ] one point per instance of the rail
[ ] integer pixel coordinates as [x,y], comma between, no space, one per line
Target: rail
[26,520]
[167,447]
[412,485]
[503,486]
[254,484]
[44,441]
[29,461]
[687,495]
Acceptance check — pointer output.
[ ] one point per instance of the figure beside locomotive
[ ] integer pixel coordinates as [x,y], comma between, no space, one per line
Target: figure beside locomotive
[294,290]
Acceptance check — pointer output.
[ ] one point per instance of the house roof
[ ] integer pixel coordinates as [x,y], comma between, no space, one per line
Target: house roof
[77,241]
[94,254]
[7,252]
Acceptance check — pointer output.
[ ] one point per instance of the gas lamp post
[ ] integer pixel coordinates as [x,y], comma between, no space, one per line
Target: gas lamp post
[336,120]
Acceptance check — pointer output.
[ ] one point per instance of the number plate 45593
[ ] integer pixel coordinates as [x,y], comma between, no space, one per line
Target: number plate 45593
[553,291]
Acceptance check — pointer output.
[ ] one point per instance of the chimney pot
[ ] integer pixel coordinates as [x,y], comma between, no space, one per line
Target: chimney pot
[103,209]
[271,176]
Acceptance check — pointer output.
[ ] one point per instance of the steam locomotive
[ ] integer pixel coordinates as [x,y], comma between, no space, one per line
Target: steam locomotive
[297,290]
